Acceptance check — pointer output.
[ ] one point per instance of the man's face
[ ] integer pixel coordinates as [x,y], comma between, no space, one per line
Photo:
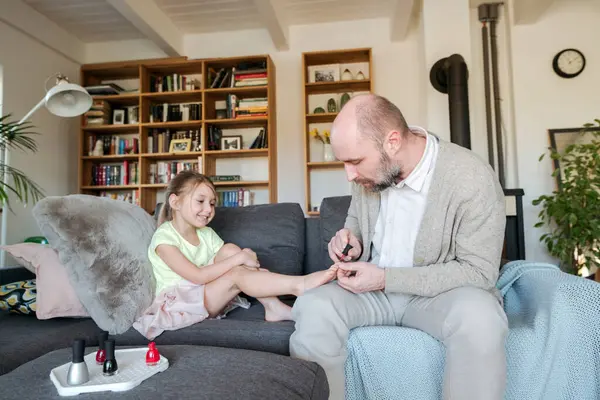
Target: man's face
[367,163]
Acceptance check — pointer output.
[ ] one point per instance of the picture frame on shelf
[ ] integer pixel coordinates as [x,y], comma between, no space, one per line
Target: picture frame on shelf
[180,145]
[231,142]
[118,117]
[324,73]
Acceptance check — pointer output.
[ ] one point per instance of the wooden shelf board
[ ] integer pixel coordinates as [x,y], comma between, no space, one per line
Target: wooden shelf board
[221,62]
[183,67]
[363,85]
[111,128]
[320,118]
[249,122]
[128,99]
[237,153]
[241,183]
[183,96]
[154,185]
[112,187]
[336,56]
[173,124]
[325,164]
[173,156]
[115,157]
[223,184]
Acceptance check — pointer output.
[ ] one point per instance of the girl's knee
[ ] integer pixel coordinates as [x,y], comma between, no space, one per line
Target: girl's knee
[228,250]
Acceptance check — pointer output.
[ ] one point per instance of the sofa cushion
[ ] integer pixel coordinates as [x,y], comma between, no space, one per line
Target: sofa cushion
[24,337]
[334,211]
[244,329]
[274,231]
[103,245]
[194,372]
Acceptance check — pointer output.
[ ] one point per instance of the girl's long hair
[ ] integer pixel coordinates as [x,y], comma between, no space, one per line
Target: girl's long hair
[181,183]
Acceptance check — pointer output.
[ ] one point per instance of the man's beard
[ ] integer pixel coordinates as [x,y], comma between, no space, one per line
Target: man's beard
[390,176]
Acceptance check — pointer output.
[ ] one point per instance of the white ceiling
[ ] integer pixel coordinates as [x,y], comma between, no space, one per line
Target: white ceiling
[98,20]
[88,20]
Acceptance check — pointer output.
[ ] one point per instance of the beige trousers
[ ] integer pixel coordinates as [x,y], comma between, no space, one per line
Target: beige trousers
[470,322]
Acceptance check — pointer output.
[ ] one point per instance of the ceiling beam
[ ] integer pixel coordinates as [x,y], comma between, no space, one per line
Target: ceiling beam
[404,13]
[149,19]
[529,11]
[38,27]
[271,16]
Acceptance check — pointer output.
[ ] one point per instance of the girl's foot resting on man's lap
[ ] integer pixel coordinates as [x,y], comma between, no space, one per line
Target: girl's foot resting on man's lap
[317,279]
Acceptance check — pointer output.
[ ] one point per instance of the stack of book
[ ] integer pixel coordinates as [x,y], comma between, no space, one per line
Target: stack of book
[99,113]
[252,107]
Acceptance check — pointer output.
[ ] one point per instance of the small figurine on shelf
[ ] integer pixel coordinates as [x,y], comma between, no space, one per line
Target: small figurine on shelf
[152,356]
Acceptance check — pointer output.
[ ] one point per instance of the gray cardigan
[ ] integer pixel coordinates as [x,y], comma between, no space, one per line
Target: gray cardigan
[461,236]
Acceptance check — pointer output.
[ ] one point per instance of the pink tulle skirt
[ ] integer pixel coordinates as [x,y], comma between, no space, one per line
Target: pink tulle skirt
[177,307]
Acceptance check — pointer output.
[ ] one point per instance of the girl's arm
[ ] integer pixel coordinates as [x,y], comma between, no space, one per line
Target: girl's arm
[187,270]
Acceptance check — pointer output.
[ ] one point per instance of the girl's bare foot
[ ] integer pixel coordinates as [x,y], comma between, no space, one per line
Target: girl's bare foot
[317,279]
[275,310]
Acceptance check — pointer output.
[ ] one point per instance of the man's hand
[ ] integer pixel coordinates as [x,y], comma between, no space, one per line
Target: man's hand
[369,277]
[339,241]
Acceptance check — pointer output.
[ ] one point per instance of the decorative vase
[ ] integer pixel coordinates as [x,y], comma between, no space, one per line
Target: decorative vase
[347,75]
[328,153]
[345,98]
[331,106]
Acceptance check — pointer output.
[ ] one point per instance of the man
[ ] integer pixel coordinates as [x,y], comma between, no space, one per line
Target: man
[426,224]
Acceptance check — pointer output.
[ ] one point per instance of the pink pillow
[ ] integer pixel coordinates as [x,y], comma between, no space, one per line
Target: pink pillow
[55,295]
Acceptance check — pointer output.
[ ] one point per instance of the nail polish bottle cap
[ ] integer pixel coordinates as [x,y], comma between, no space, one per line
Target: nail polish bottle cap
[78,349]
[110,349]
[102,337]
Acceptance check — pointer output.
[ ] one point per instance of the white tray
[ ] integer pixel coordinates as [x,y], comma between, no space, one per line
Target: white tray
[132,370]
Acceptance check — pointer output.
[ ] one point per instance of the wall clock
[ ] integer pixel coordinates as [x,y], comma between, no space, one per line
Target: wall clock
[568,63]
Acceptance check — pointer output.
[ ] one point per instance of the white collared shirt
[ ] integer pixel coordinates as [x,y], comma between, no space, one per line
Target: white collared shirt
[401,210]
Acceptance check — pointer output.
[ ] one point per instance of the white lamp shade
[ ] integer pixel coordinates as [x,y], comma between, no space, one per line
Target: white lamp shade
[68,100]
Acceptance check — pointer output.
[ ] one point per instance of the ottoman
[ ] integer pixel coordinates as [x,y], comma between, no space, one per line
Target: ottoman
[195,372]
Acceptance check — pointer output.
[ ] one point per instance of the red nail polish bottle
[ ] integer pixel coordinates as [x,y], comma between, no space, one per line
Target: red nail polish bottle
[152,356]
[101,353]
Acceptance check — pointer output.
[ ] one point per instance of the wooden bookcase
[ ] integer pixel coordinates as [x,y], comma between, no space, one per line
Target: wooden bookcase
[328,78]
[138,155]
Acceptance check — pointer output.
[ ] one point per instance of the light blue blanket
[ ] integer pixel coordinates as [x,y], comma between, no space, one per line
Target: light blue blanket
[553,346]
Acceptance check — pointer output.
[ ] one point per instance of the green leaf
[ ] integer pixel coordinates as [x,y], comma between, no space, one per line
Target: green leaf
[542,157]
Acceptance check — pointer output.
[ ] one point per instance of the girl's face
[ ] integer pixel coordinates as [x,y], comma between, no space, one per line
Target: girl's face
[198,206]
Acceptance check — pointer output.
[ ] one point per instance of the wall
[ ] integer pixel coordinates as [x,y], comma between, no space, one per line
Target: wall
[544,101]
[26,64]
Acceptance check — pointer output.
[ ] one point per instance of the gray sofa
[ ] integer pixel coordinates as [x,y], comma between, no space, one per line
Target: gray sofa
[285,242]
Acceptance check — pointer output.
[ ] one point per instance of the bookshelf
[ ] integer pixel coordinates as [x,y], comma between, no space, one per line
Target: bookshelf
[153,118]
[329,79]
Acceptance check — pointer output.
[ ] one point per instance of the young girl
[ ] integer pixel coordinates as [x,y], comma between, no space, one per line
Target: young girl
[198,275]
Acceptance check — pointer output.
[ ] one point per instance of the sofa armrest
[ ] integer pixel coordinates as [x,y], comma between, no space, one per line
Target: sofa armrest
[14,274]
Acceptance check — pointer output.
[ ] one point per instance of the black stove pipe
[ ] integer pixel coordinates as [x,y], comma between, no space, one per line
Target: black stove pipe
[449,76]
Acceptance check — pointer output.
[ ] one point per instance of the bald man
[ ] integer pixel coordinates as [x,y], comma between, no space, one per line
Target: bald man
[426,222]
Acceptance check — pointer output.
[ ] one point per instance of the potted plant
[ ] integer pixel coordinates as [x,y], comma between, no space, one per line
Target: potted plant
[16,136]
[572,212]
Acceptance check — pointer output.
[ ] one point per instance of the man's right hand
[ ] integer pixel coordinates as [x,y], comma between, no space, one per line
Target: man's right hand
[339,241]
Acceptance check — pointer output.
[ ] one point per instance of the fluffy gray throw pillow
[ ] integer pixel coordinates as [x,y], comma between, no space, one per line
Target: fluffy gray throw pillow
[103,245]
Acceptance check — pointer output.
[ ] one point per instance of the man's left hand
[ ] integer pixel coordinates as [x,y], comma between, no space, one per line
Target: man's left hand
[369,277]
